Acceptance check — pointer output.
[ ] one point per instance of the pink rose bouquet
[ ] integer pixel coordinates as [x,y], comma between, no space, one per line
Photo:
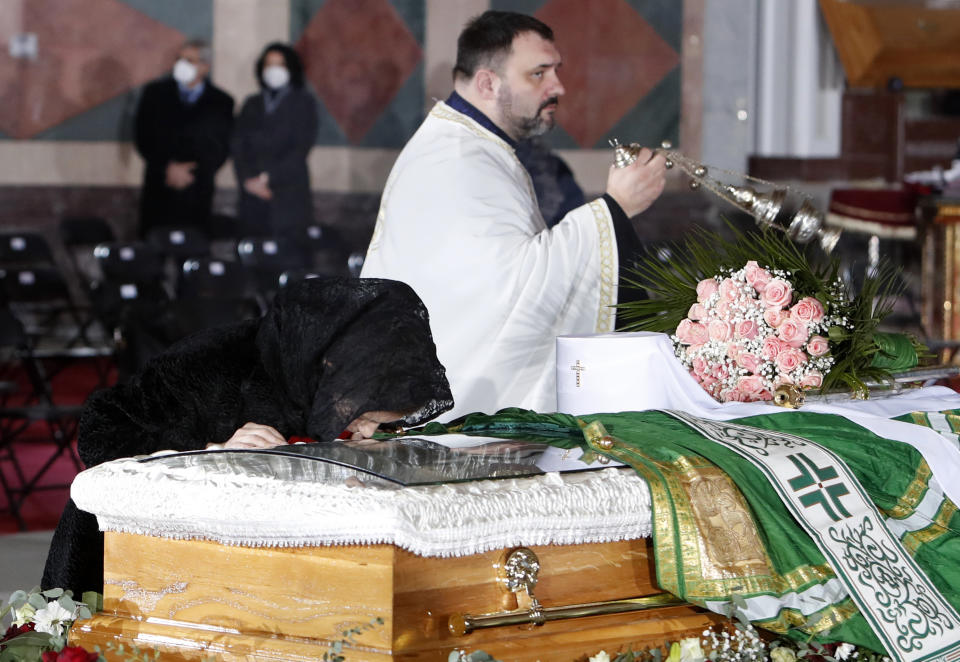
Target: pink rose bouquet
[750,331]
[751,313]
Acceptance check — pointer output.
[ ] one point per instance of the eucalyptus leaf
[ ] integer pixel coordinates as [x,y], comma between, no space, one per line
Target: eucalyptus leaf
[93,600]
[18,598]
[52,593]
[36,601]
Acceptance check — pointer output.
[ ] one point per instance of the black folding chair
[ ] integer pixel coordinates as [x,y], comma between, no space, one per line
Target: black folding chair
[130,262]
[209,278]
[267,258]
[328,252]
[80,235]
[24,249]
[40,294]
[22,408]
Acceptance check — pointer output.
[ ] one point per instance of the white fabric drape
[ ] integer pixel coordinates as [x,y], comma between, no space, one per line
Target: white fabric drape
[459,223]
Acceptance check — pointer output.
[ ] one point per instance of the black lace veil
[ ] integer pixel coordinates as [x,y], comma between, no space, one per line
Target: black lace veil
[335,348]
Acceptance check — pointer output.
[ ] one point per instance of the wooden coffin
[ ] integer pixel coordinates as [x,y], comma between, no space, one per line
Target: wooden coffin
[201,600]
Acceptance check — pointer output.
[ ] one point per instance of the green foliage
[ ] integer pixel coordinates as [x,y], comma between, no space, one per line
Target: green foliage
[672,287]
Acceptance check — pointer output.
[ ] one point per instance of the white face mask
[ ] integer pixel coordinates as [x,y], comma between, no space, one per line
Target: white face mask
[184,72]
[275,76]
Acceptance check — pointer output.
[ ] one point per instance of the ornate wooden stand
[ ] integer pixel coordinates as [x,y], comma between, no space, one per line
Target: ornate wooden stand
[197,600]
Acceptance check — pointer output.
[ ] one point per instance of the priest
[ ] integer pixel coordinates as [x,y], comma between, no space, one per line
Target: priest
[459,222]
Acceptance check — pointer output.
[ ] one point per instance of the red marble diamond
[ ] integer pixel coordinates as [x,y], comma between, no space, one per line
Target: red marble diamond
[358,54]
[612,58]
[88,51]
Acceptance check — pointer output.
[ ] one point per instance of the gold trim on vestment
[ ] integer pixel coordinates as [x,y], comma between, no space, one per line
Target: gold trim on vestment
[608,275]
[907,502]
[829,618]
[914,540]
[443,111]
[691,494]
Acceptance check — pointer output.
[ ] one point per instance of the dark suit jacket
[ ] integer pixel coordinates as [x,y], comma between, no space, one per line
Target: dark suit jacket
[167,129]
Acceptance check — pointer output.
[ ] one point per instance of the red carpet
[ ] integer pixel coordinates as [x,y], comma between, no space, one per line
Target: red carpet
[41,509]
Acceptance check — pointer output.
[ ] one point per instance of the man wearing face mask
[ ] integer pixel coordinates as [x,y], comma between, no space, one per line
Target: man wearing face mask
[275,131]
[183,126]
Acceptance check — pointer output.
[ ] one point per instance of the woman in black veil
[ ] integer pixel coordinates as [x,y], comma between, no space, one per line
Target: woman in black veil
[330,356]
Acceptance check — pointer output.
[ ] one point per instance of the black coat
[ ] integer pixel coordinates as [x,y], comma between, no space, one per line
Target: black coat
[276,143]
[167,129]
[326,351]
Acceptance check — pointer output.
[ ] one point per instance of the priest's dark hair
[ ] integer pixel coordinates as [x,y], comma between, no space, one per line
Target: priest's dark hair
[489,36]
[290,57]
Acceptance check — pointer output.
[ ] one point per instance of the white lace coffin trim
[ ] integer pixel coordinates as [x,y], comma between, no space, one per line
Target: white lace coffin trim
[204,499]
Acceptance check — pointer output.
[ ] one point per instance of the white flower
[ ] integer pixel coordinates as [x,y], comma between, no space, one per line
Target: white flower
[23,615]
[600,657]
[782,654]
[690,650]
[843,651]
[52,619]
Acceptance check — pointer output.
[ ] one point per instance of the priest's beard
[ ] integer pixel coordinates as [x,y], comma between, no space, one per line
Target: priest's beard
[518,124]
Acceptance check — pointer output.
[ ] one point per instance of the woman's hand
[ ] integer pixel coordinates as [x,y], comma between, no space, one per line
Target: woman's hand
[253,435]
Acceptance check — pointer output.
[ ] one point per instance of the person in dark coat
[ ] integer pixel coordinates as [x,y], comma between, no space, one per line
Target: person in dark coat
[330,356]
[182,131]
[275,131]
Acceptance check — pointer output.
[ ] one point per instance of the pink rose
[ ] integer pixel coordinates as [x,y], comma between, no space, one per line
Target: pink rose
[698,333]
[719,371]
[729,290]
[709,384]
[751,385]
[691,333]
[733,395]
[733,350]
[771,348]
[706,288]
[777,293]
[782,380]
[793,332]
[694,349]
[808,310]
[813,379]
[720,331]
[765,395]
[818,346]
[747,329]
[699,366]
[790,359]
[775,316]
[697,312]
[695,376]
[723,309]
[748,361]
[756,276]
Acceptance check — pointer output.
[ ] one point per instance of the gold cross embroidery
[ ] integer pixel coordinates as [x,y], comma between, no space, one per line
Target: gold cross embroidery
[579,368]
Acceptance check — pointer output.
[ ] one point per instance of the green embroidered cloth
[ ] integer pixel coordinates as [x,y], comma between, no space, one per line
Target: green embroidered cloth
[713,540]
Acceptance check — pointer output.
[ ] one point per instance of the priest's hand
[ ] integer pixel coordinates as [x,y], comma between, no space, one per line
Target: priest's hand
[253,435]
[636,186]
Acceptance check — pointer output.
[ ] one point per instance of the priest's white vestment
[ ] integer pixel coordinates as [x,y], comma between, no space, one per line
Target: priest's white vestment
[459,223]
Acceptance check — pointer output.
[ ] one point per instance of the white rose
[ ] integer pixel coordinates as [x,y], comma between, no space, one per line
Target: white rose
[600,657]
[782,654]
[23,615]
[843,651]
[690,650]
